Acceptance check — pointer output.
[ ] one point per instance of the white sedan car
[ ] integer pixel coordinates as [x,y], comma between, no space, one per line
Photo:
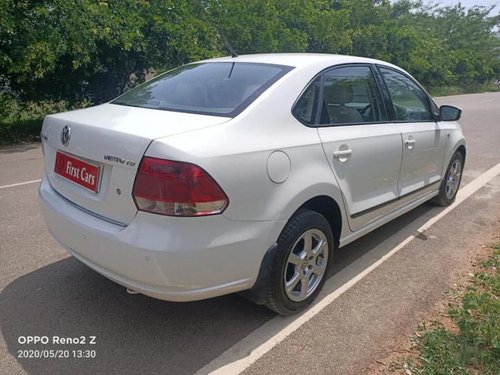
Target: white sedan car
[245,174]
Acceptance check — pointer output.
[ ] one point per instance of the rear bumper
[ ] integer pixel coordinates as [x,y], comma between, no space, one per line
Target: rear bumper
[174,259]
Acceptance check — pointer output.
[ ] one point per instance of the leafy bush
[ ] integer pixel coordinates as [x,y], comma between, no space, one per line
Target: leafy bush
[87,50]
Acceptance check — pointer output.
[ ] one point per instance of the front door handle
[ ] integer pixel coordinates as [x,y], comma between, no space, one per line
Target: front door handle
[343,153]
[410,142]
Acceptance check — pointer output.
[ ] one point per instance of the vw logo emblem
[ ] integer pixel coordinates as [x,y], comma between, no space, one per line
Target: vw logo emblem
[66,135]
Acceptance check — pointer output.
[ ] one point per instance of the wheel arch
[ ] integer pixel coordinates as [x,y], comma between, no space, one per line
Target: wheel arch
[461,148]
[456,143]
[329,208]
[327,200]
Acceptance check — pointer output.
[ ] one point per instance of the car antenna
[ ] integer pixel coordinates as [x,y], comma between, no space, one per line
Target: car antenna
[227,44]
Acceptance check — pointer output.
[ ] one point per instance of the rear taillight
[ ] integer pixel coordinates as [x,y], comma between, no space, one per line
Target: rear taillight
[175,188]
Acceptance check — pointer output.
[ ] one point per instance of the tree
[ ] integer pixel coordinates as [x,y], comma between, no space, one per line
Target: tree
[88,49]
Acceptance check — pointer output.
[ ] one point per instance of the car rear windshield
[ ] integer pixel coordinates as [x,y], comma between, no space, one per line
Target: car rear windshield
[219,89]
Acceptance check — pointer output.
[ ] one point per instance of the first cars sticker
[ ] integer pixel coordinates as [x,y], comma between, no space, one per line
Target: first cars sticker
[78,171]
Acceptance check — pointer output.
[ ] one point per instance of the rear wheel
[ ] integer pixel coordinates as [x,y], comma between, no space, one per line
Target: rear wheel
[451,181]
[301,263]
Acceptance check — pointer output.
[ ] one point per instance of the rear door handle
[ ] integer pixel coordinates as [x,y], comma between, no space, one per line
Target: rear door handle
[410,142]
[342,154]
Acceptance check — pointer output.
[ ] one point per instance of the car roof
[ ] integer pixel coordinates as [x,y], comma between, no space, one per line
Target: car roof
[298,60]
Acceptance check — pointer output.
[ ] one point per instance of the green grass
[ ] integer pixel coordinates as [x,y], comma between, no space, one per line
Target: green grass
[22,121]
[475,348]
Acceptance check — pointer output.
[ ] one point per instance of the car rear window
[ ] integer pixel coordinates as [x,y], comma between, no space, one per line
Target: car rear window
[219,89]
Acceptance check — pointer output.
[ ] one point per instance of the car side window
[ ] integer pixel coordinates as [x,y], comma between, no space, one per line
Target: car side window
[409,101]
[307,106]
[350,96]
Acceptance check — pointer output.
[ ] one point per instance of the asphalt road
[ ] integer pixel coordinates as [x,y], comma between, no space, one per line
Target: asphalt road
[44,292]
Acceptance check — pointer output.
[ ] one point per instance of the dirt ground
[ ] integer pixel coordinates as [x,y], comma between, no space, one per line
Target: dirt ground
[395,358]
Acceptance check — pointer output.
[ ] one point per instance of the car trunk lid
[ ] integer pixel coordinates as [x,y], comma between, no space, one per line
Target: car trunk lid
[96,169]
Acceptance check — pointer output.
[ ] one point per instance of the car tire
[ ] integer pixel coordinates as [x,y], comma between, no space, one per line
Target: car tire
[301,262]
[451,181]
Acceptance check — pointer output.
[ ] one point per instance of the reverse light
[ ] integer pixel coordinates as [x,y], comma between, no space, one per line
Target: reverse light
[175,188]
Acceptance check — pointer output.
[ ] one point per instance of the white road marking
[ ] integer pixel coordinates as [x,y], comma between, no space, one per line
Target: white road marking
[248,350]
[20,184]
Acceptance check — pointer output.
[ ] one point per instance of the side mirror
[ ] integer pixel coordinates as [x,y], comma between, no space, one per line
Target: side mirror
[450,113]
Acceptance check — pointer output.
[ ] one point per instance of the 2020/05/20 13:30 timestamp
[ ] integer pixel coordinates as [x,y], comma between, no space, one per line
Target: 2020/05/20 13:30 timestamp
[83,353]
[56,353]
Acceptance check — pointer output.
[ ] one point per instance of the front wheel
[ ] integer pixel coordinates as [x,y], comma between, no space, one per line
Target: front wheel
[451,182]
[301,263]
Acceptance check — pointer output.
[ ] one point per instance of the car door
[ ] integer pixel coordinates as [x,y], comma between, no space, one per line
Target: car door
[362,148]
[423,140]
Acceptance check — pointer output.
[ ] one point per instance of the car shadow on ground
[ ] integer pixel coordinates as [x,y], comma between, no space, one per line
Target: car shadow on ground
[138,334]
